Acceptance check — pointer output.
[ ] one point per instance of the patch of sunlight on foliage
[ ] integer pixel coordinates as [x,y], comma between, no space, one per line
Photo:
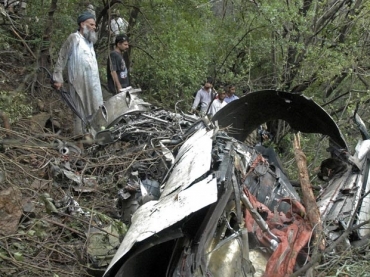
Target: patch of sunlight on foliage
[15,105]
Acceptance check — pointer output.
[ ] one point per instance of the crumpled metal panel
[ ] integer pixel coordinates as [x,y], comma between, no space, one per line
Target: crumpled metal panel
[331,199]
[362,154]
[166,212]
[118,105]
[178,200]
[338,201]
[364,213]
[188,164]
[208,155]
[269,184]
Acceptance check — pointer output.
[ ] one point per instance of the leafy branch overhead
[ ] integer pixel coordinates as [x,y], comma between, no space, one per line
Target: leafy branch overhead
[316,48]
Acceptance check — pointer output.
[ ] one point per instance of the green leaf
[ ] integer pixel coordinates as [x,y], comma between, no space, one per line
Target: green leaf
[18,256]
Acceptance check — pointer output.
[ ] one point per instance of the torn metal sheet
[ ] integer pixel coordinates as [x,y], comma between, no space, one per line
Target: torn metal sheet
[217,230]
[200,144]
[361,151]
[156,216]
[343,197]
[167,154]
[198,225]
[117,106]
[364,211]
[303,114]
[268,183]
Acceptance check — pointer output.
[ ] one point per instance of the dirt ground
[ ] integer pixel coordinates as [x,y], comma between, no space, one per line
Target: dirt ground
[51,224]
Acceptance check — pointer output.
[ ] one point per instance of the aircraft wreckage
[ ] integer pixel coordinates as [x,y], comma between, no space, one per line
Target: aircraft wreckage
[212,201]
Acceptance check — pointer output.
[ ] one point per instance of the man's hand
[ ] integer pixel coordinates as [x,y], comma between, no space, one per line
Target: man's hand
[57,86]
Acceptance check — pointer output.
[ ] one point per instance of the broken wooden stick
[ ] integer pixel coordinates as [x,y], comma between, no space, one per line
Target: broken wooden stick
[5,119]
[309,199]
[24,42]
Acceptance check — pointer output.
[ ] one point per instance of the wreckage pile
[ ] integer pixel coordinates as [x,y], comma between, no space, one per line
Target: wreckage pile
[66,212]
[61,205]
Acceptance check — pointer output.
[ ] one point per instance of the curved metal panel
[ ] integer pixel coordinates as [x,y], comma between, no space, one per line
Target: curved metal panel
[303,114]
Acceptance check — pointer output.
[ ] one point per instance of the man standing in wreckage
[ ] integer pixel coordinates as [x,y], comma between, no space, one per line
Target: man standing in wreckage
[203,97]
[78,54]
[218,103]
[117,73]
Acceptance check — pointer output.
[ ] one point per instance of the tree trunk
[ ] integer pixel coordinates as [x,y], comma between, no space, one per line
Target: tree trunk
[44,50]
[131,23]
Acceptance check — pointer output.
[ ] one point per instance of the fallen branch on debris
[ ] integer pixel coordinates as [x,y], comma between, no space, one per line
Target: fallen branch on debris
[309,201]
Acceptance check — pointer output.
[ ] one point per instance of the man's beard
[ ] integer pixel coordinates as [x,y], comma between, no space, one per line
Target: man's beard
[90,35]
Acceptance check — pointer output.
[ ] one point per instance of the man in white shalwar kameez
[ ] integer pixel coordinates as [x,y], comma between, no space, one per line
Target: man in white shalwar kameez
[78,54]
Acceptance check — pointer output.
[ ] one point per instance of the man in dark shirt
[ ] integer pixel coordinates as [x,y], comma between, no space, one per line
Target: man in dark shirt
[117,73]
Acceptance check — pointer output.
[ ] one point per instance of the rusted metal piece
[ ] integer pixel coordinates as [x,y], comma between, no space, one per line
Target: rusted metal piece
[292,230]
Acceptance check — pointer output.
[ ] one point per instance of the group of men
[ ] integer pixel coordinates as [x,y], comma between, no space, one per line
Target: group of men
[211,102]
[208,102]
[78,54]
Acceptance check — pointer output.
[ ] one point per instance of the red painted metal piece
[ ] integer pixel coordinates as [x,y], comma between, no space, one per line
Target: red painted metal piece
[292,228]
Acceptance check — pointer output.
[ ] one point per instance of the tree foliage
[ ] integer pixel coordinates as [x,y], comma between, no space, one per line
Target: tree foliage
[316,48]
